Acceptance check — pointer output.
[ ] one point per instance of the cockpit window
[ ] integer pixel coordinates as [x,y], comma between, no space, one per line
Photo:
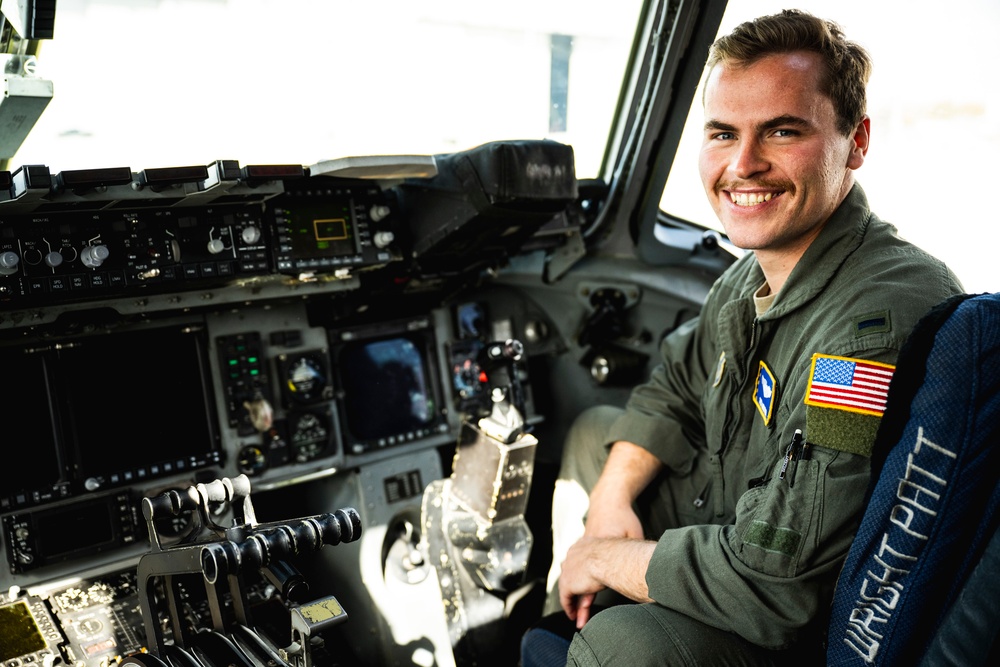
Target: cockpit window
[163,83]
[934,118]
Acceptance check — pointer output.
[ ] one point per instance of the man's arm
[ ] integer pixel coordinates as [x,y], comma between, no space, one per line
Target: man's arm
[596,563]
[612,523]
[628,470]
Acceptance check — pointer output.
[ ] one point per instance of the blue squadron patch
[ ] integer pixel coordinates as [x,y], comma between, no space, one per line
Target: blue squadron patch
[763,394]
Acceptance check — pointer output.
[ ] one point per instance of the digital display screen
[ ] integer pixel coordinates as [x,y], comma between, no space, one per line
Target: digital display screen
[29,442]
[136,399]
[387,388]
[76,527]
[19,634]
[318,229]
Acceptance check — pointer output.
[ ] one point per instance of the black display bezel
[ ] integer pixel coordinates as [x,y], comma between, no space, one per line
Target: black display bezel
[93,430]
[419,332]
[34,446]
[71,530]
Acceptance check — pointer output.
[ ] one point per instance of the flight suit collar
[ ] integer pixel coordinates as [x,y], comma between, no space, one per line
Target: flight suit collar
[840,237]
[739,327]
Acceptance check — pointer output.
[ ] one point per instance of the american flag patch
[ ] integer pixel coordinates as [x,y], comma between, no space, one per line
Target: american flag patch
[855,385]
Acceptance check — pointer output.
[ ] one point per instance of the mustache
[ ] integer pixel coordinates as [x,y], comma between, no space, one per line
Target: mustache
[762,185]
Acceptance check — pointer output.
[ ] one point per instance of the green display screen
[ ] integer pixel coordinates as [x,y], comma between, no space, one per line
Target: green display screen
[19,633]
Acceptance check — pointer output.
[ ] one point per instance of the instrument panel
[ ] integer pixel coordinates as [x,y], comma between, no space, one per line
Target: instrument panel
[116,235]
[164,328]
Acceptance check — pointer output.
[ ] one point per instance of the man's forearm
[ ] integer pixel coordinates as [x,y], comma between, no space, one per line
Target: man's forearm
[623,564]
[612,553]
[595,563]
[628,470]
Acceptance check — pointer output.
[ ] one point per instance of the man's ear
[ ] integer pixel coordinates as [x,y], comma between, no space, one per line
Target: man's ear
[859,147]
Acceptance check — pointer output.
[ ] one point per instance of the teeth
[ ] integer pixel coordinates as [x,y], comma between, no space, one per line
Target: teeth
[750,199]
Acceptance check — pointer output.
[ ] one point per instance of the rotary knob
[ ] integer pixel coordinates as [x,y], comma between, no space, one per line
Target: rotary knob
[383,239]
[215,246]
[250,235]
[54,258]
[378,212]
[8,262]
[94,255]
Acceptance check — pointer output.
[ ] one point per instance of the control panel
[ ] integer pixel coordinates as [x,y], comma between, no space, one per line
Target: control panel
[98,234]
[296,336]
[323,226]
[71,530]
[71,257]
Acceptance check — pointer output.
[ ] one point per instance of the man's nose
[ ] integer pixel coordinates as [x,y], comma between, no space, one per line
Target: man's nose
[749,159]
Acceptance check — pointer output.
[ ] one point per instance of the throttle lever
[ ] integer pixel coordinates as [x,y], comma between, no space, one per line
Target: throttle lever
[276,542]
[168,503]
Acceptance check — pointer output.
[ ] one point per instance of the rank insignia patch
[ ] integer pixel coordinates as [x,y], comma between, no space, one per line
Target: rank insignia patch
[855,385]
[763,395]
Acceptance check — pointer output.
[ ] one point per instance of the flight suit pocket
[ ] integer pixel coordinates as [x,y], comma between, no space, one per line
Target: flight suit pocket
[775,522]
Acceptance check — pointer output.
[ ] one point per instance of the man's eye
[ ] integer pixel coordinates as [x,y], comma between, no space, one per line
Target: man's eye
[785,133]
[724,136]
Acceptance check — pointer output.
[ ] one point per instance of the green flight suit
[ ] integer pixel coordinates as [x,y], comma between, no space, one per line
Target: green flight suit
[755,550]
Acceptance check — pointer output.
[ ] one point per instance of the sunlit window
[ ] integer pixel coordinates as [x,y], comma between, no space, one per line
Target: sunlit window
[935,124]
[152,83]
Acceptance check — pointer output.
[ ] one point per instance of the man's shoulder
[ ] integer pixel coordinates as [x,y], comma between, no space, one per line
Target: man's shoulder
[887,261]
[882,241]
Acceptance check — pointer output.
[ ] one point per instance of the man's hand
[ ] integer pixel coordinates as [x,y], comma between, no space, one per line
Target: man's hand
[610,520]
[594,564]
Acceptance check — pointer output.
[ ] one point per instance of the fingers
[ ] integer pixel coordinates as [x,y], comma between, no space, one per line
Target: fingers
[568,603]
[584,603]
[577,607]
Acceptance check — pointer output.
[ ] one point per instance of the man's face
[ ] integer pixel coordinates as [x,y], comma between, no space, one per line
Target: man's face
[773,162]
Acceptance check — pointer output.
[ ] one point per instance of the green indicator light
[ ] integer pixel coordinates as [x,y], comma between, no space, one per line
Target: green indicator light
[255,372]
[233,362]
[252,360]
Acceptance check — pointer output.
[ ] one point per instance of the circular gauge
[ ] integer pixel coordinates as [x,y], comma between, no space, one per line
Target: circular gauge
[305,379]
[308,434]
[251,460]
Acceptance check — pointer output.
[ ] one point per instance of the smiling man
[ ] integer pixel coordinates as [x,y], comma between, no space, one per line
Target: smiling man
[776,161]
[725,495]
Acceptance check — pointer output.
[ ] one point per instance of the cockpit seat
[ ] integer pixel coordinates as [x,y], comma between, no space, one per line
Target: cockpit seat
[920,583]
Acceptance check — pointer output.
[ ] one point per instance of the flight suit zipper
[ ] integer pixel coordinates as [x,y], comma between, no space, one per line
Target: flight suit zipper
[718,482]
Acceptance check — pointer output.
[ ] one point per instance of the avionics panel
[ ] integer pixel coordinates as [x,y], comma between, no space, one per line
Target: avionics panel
[388,385]
[68,257]
[324,224]
[30,635]
[70,530]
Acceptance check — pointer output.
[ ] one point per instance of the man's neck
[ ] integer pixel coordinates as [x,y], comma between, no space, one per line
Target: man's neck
[777,263]
[777,266]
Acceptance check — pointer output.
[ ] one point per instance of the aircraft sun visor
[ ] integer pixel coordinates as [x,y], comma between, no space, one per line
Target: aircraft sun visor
[486,202]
